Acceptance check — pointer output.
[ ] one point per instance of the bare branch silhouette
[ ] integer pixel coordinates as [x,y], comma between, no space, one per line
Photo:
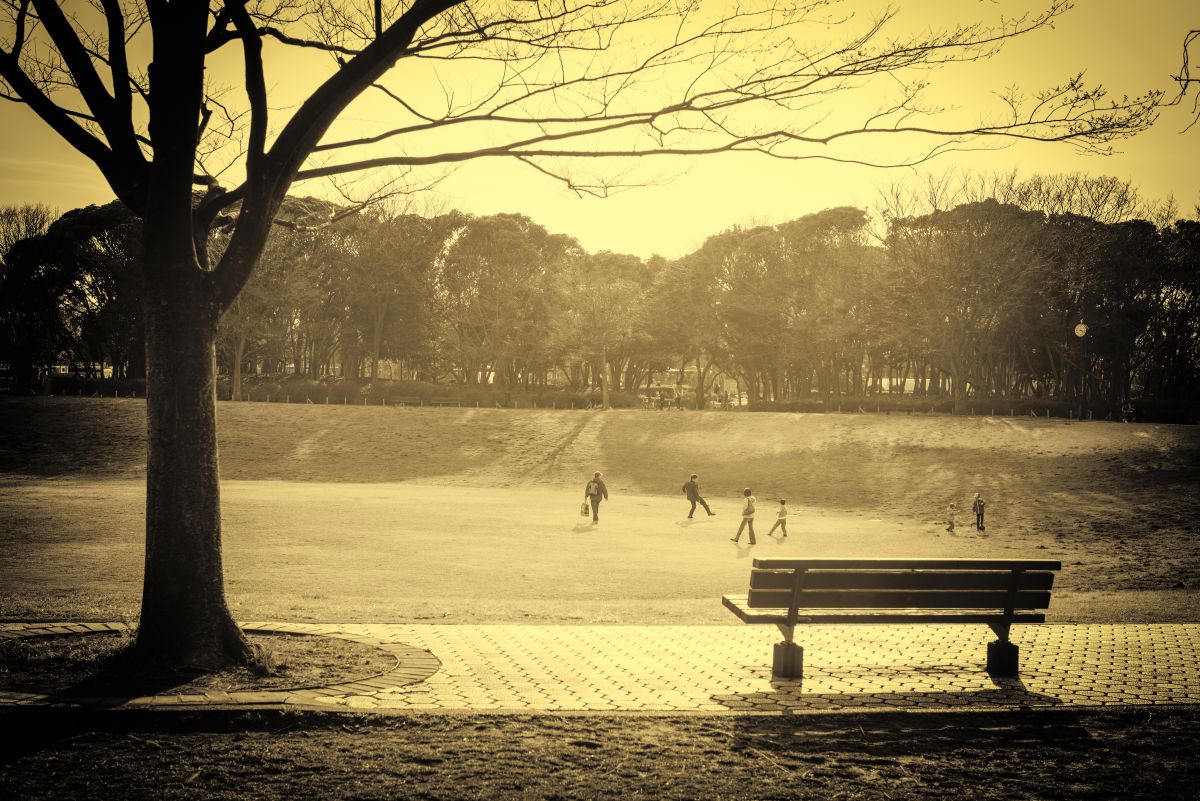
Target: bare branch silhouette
[1188,77]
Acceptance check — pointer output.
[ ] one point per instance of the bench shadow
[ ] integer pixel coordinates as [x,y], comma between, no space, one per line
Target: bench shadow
[787,695]
[800,743]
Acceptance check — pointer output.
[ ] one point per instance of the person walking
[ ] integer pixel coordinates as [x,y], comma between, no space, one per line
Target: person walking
[593,493]
[977,507]
[747,516]
[781,520]
[951,511]
[692,490]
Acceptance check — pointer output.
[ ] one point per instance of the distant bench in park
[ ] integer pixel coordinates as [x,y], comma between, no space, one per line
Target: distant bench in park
[995,592]
[425,402]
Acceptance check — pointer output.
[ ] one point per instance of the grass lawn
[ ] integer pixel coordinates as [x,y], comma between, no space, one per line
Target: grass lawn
[339,513]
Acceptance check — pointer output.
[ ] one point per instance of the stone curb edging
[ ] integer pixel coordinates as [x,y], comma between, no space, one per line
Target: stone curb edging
[411,665]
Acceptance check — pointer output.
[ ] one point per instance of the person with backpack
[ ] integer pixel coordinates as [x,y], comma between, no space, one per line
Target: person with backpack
[977,507]
[747,516]
[692,490]
[593,493]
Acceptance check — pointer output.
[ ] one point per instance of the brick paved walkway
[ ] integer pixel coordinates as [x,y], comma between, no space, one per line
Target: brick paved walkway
[721,669]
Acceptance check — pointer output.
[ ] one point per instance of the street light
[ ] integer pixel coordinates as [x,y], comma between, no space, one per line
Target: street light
[1081,330]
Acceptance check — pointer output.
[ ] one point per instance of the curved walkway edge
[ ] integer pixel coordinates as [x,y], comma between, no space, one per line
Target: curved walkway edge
[714,669]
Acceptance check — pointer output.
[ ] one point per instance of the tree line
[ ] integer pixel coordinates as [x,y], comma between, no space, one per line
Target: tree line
[1016,297]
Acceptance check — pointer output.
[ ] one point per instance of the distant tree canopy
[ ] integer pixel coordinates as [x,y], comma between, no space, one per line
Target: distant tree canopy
[72,293]
[975,302]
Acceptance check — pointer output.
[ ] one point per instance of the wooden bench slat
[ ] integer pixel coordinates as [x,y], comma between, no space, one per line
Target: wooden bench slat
[737,605]
[851,563]
[761,579]
[901,599]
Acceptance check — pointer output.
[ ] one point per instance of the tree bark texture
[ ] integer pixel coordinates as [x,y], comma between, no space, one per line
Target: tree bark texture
[185,620]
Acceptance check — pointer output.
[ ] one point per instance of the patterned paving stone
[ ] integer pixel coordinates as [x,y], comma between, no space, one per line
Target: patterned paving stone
[726,669]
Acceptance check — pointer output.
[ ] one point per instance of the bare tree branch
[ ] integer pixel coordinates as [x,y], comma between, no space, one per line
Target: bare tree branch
[1188,77]
[256,85]
[59,118]
[88,82]
[19,29]
[302,132]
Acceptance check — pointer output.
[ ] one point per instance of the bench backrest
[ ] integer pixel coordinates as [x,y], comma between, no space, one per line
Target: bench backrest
[1002,584]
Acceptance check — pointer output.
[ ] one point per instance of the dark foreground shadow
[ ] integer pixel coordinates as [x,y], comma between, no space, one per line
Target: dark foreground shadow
[122,680]
[29,730]
[89,673]
[789,696]
[900,735]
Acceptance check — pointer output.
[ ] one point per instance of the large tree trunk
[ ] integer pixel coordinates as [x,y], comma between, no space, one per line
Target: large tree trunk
[185,620]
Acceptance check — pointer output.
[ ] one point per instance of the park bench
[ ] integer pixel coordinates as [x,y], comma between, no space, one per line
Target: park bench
[995,592]
[406,401]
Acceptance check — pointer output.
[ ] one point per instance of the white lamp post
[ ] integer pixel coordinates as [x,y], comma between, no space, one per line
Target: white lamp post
[1081,330]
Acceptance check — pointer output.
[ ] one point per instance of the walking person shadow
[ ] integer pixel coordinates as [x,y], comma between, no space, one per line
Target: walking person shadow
[742,551]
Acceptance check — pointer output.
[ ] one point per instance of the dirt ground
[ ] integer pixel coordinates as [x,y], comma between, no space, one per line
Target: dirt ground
[464,515]
[1131,754]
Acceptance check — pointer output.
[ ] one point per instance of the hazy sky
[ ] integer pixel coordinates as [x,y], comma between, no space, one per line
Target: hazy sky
[1129,47]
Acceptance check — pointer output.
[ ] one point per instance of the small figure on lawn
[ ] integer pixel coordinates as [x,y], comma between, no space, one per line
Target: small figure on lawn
[747,516]
[593,493]
[951,511]
[781,520]
[977,507]
[692,490]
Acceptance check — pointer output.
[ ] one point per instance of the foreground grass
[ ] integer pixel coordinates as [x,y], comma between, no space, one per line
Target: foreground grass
[1129,754]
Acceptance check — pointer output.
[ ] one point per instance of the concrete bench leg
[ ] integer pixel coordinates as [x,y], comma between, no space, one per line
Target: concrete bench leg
[788,662]
[1002,658]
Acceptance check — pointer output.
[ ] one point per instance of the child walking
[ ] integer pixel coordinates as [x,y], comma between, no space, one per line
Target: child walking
[781,521]
[950,512]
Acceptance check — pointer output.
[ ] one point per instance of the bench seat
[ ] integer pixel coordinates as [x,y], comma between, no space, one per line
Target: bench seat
[739,605]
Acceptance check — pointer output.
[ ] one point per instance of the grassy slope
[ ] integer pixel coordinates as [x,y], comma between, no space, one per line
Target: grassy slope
[490,492]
